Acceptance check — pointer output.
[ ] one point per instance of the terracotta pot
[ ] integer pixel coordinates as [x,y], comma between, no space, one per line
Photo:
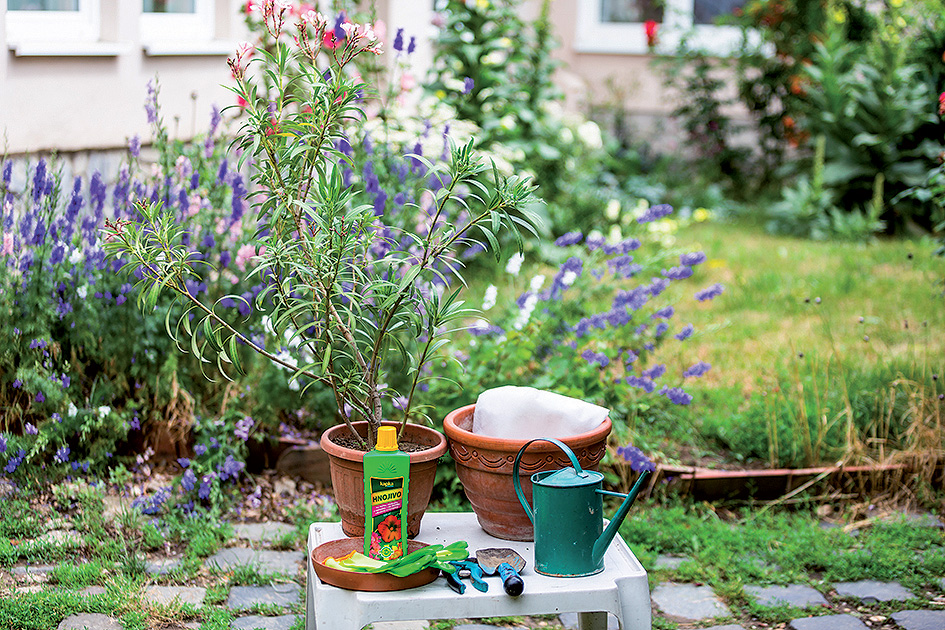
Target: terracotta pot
[347,474]
[484,467]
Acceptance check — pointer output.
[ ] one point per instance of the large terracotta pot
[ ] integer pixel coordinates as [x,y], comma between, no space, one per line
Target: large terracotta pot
[347,474]
[484,466]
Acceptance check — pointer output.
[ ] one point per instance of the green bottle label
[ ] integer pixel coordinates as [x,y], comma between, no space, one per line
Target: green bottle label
[385,504]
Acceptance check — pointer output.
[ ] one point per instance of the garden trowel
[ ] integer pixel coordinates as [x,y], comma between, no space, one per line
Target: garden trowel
[507,563]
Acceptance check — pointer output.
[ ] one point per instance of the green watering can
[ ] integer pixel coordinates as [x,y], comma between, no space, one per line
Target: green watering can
[568,515]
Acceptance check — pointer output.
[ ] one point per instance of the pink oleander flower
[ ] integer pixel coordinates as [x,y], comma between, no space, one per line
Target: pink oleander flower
[315,19]
[246,254]
[7,245]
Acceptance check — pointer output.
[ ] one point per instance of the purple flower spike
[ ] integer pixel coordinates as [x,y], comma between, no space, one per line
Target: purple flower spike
[644,383]
[656,212]
[678,273]
[189,480]
[697,370]
[711,292]
[468,85]
[399,40]
[638,461]
[655,372]
[695,258]
[571,238]
[243,427]
[685,333]
[676,395]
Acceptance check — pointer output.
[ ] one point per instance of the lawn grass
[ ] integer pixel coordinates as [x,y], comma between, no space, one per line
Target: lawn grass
[764,319]
[820,351]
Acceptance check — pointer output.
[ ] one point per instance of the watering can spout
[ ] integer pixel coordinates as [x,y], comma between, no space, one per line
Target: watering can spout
[600,547]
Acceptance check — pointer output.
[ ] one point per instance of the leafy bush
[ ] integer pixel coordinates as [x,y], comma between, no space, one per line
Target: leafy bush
[83,371]
[877,113]
[591,333]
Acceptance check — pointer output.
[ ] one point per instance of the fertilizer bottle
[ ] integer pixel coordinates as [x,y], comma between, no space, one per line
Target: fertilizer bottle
[386,471]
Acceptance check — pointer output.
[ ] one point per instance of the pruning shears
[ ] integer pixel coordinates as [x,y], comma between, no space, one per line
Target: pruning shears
[465,569]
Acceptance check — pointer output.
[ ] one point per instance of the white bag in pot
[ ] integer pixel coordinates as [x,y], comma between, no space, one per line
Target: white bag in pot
[525,413]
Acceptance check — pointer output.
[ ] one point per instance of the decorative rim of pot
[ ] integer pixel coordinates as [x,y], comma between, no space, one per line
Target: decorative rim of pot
[435,451]
[455,432]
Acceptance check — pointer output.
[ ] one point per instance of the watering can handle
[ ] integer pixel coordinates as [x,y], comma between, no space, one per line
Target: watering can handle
[518,458]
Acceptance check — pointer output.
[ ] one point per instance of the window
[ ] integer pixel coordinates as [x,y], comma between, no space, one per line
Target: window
[52,21]
[181,21]
[617,26]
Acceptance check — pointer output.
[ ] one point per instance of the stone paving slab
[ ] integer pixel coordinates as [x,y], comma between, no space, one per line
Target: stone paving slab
[407,625]
[93,591]
[920,619]
[62,537]
[871,591]
[285,595]
[570,621]
[283,622]
[37,569]
[161,566]
[669,562]
[793,595]
[828,622]
[260,532]
[923,519]
[165,595]
[728,626]
[264,560]
[688,601]
[89,621]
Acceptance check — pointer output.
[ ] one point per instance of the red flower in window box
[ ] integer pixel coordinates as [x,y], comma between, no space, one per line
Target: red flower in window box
[650,27]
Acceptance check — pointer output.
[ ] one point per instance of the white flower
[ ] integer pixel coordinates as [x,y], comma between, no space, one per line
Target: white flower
[286,357]
[72,410]
[612,212]
[76,256]
[294,384]
[568,278]
[614,236]
[82,291]
[526,313]
[103,411]
[488,300]
[515,264]
[589,132]
[537,283]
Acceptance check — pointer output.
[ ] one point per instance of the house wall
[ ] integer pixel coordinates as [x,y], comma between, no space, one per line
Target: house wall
[596,78]
[71,96]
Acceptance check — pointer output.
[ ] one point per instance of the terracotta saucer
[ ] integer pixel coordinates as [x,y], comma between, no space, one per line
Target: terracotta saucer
[365,581]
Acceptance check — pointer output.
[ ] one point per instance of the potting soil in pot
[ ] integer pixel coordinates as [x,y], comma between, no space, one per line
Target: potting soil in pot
[524,413]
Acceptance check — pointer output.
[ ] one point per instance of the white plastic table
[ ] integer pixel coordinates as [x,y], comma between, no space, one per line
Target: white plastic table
[620,589]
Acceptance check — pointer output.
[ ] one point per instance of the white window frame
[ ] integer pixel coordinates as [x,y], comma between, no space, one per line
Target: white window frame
[82,25]
[629,38]
[160,28]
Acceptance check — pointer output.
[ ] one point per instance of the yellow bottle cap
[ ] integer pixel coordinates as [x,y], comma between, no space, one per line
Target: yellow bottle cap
[386,439]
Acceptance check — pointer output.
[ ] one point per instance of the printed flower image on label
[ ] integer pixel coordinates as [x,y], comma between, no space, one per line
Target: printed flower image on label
[386,501]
